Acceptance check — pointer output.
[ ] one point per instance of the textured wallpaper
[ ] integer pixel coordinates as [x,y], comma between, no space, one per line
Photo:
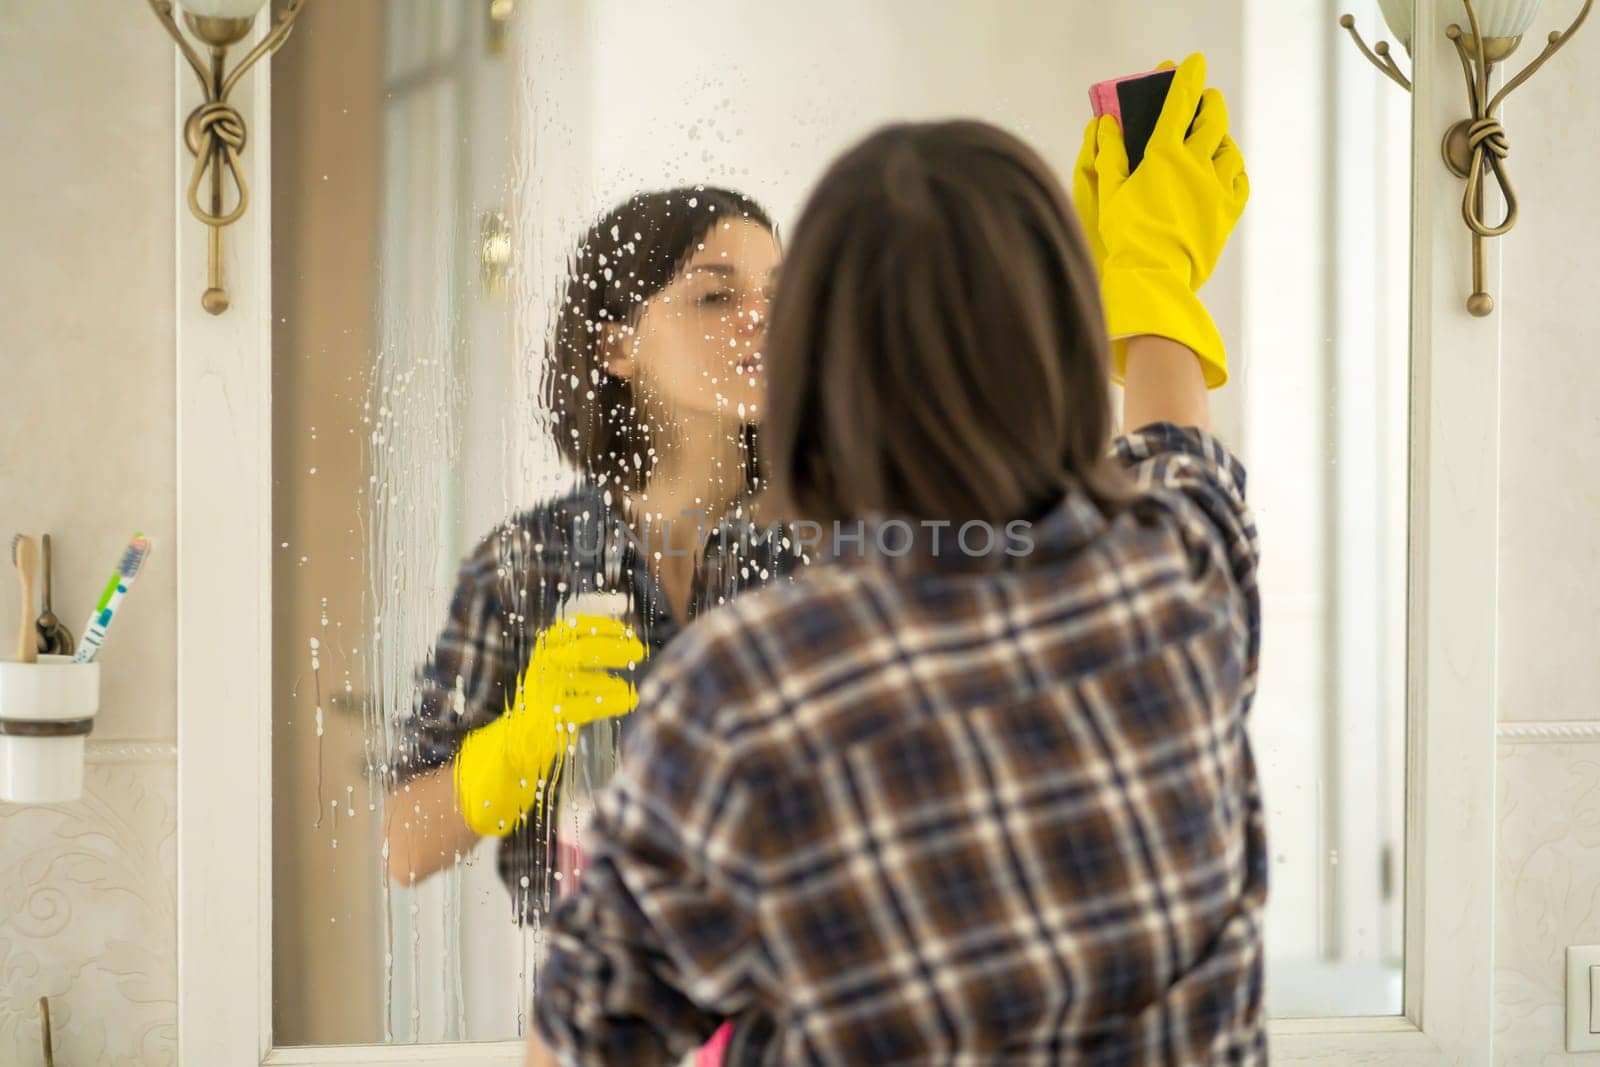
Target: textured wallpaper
[88,916]
[1547,892]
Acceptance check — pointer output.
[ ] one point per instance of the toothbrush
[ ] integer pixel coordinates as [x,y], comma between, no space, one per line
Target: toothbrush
[25,554]
[94,631]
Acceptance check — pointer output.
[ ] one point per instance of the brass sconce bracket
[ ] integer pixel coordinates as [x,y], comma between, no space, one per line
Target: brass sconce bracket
[215,131]
[1378,55]
[1477,146]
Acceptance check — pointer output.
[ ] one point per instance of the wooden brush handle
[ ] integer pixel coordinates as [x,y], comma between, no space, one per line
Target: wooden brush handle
[27,560]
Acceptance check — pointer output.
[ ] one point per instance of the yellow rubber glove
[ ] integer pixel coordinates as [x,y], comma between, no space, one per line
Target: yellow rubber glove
[503,768]
[1164,228]
[1086,193]
[1086,181]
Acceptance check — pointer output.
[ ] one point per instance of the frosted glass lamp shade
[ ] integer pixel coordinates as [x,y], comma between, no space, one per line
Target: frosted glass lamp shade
[1500,18]
[1398,14]
[223,9]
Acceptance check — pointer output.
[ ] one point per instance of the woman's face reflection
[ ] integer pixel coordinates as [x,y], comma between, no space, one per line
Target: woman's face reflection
[697,346]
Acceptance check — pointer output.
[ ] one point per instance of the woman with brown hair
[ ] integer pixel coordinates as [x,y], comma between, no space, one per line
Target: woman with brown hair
[948,803]
[655,381]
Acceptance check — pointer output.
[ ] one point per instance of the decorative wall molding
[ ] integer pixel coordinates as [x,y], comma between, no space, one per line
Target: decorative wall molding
[1545,733]
[130,751]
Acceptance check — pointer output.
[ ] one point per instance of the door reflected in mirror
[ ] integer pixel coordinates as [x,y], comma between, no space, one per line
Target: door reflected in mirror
[522,254]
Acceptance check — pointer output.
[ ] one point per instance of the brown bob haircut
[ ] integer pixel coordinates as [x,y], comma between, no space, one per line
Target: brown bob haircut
[630,254]
[937,347]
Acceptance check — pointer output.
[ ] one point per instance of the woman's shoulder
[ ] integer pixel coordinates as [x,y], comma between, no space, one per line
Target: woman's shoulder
[583,502]
[546,534]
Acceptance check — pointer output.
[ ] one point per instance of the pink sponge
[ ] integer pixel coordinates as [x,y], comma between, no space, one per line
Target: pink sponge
[1104,99]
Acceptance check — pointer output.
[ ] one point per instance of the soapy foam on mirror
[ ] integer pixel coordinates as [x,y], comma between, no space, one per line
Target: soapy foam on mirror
[603,602]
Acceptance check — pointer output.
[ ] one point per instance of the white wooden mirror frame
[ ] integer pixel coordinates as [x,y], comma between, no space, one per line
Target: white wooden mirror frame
[224,641]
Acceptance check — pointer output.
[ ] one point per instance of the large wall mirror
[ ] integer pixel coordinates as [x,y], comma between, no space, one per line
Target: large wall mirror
[435,166]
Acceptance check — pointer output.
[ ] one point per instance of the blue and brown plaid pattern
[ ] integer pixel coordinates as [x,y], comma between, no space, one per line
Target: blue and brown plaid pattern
[897,813]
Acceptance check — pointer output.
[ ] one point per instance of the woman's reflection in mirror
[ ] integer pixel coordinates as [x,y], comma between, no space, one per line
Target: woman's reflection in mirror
[654,381]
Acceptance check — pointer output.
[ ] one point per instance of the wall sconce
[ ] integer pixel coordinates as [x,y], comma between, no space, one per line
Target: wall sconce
[1477,146]
[215,131]
[494,253]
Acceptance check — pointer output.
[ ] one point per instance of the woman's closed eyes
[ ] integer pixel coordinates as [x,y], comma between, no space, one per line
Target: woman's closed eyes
[716,298]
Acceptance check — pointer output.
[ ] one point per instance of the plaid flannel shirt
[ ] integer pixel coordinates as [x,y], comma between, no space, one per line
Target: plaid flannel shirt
[910,811]
[509,589]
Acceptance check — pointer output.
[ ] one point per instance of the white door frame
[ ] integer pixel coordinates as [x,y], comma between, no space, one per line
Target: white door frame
[224,637]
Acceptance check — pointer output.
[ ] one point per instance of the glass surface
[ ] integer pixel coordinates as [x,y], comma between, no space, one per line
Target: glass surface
[436,163]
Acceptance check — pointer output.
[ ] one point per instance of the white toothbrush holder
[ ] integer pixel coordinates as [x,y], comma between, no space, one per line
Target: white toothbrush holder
[46,711]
